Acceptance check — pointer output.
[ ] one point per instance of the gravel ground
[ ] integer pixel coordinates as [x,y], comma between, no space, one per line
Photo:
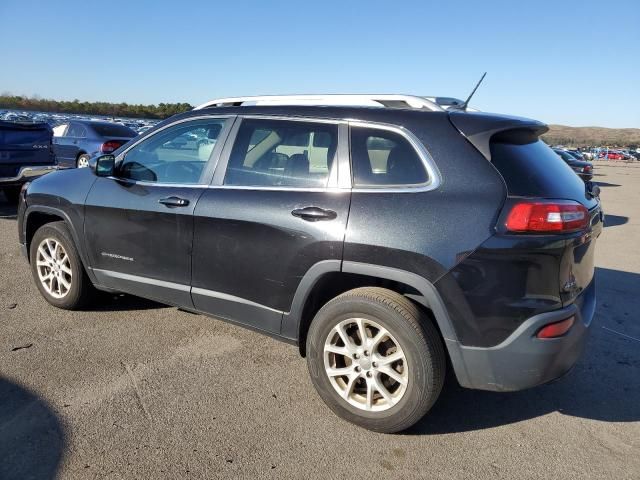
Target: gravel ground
[135,389]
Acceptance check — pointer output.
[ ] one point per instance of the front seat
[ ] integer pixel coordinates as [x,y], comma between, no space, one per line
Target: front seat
[296,170]
[205,148]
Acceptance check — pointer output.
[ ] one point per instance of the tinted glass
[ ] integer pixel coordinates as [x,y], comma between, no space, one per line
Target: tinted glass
[282,153]
[9,136]
[382,158]
[177,154]
[113,130]
[535,170]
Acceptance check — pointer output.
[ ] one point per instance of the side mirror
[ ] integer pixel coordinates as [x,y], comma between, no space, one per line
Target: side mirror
[103,166]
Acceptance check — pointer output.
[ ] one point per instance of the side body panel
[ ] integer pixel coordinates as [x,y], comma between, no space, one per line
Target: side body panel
[61,193]
[428,233]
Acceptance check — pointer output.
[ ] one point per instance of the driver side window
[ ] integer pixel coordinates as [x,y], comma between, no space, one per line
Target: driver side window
[177,154]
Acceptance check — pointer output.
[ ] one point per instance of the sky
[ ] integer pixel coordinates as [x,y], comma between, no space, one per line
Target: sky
[563,62]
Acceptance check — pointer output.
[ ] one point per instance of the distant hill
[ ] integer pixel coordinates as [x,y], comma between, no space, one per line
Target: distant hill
[591,136]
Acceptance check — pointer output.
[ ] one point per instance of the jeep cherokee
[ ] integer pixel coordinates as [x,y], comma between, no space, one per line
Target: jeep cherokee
[388,243]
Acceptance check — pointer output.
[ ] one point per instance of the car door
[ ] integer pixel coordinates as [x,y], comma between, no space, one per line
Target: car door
[62,146]
[139,223]
[277,206]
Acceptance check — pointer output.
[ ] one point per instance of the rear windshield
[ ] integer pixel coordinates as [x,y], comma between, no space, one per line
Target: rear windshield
[535,170]
[9,136]
[113,130]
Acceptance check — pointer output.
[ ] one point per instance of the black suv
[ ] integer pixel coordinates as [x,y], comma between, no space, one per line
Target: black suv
[388,244]
[25,152]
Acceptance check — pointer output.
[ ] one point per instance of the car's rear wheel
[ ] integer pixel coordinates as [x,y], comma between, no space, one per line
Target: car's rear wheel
[376,359]
[57,269]
[83,161]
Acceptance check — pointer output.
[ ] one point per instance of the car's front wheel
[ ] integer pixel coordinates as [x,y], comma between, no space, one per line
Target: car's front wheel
[376,359]
[57,269]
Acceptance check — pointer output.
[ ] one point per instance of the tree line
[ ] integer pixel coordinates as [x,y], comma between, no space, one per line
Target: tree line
[160,111]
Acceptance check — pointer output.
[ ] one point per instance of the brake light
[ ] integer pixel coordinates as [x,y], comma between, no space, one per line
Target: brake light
[110,146]
[547,217]
[557,329]
[587,169]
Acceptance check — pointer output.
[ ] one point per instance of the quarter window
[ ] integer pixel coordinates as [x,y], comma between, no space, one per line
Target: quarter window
[382,158]
[282,153]
[177,154]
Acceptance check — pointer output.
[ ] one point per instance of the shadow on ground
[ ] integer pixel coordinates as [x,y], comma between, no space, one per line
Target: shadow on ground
[32,438]
[615,220]
[118,302]
[606,184]
[604,386]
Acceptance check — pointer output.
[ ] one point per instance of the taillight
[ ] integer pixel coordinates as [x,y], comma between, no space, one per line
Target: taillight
[587,169]
[110,146]
[559,216]
[556,329]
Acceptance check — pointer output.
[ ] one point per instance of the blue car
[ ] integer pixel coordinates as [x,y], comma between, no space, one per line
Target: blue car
[76,141]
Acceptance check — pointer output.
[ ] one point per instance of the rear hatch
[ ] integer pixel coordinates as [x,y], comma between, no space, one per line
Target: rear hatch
[532,170]
[23,145]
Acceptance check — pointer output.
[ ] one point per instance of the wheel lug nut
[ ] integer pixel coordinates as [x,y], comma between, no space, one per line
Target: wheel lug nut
[357,369]
[369,374]
[374,365]
[355,355]
[366,353]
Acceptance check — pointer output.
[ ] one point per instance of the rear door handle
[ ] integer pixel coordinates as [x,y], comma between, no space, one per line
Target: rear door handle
[174,202]
[313,214]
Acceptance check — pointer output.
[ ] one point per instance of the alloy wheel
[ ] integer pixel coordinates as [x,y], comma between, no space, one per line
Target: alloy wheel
[365,364]
[54,268]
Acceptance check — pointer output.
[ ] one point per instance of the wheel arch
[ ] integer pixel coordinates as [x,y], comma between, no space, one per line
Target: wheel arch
[37,216]
[312,293]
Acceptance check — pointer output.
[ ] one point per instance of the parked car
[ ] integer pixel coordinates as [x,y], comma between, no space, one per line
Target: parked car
[611,155]
[353,233]
[76,141]
[576,154]
[583,169]
[25,153]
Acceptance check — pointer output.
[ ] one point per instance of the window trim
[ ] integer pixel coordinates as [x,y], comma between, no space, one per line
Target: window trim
[433,174]
[336,174]
[339,181]
[211,164]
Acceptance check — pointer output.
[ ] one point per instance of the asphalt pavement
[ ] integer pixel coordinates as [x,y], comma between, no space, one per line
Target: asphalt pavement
[134,389]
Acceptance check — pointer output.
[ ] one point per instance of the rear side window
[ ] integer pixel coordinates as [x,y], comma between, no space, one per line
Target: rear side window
[113,130]
[76,130]
[282,153]
[532,169]
[381,158]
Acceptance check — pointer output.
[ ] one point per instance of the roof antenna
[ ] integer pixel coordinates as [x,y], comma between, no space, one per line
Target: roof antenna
[466,102]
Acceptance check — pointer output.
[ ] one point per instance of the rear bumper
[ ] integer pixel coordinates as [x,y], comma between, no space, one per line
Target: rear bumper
[27,173]
[524,361]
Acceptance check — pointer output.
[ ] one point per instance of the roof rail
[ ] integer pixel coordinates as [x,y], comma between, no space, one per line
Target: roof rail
[362,100]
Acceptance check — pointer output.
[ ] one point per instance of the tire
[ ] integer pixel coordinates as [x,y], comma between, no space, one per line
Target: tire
[83,161]
[79,289]
[410,334]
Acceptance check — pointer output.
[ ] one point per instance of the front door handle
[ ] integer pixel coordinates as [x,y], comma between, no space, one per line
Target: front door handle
[313,214]
[174,202]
